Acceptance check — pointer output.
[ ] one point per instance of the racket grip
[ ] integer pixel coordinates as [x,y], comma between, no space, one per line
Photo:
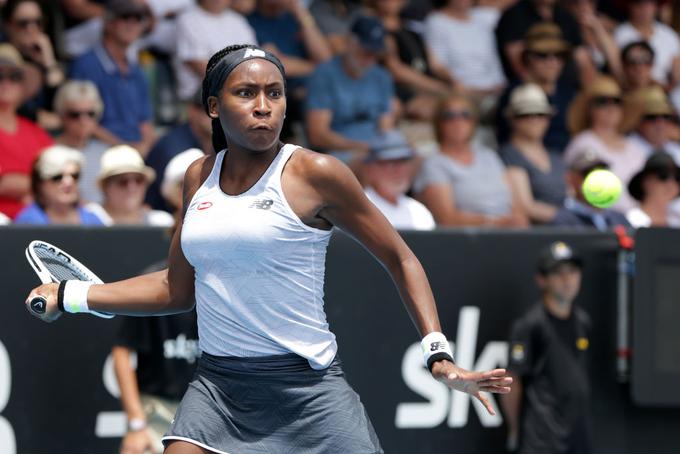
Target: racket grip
[38,304]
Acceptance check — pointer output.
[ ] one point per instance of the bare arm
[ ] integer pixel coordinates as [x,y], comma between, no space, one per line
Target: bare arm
[147,140]
[438,198]
[513,52]
[404,74]
[322,136]
[537,211]
[511,404]
[316,44]
[106,136]
[15,185]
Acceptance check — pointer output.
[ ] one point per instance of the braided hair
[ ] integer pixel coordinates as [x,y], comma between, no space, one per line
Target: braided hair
[219,140]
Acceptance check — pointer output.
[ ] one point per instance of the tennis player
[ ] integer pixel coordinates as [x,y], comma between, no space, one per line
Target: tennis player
[251,248]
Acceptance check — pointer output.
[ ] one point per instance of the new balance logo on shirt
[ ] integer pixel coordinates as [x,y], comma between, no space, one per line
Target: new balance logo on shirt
[262,204]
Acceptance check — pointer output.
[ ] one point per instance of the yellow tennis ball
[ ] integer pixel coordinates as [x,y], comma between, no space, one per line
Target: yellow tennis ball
[601,188]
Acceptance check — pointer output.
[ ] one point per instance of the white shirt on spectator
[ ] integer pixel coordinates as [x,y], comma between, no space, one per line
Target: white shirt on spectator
[407,214]
[664,41]
[199,35]
[467,48]
[638,218]
[624,163]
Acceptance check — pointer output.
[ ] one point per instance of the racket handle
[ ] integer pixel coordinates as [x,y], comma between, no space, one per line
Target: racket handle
[39,304]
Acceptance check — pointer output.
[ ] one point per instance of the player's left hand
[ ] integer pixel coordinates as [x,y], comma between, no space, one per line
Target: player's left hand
[473,383]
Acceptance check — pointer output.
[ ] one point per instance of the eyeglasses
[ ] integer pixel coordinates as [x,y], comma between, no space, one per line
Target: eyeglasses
[124,181]
[549,55]
[76,114]
[601,101]
[26,23]
[640,61]
[456,114]
[655,117]
[12,76]
[137,17]
[59,178]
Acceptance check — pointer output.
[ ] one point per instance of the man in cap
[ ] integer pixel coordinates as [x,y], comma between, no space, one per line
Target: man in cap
[20,140]
[543,57]
[121,82]
[547,410]
[388,170]
[349,98]
[577,212]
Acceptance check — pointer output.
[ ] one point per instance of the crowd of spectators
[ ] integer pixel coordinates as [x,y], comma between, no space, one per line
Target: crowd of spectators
[450,112]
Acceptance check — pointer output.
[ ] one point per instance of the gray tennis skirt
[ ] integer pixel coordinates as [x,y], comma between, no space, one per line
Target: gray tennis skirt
[272,404]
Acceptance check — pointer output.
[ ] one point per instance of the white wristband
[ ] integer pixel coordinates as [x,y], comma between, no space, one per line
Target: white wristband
[435,348]
[75,296]
[136,424]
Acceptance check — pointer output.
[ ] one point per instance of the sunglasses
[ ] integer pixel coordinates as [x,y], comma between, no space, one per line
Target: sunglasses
[601,101]
[25,24]
[59,178]
[12,76]
[666,174]
[641,61]
[124,181]
[137,17]
[549,55]
[75,114]
[655,117]
[456,114]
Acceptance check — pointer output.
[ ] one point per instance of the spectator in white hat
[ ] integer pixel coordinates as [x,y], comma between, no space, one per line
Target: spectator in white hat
[54,184]
[173,177]
[535,172]
[124,179]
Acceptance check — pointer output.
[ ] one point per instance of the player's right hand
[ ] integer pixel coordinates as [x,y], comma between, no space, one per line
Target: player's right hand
[49,292]
[138,442]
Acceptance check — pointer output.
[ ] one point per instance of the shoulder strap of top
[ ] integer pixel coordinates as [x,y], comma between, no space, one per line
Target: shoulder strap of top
[213,178]
[284,155]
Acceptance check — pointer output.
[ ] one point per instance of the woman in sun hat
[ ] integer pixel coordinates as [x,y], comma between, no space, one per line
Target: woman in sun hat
[536,172]
[595,117]
[123,179]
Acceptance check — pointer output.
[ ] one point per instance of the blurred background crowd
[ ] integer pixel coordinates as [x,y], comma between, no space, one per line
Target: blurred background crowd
[450,112]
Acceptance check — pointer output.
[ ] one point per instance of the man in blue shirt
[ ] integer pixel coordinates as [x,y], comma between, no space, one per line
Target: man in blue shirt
[349,98]
[121,82]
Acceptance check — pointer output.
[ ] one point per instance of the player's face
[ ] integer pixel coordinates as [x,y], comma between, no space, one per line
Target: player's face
[563,283]
[251,106]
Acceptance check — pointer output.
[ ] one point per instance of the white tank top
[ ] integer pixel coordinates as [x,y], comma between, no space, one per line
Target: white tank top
[259,271]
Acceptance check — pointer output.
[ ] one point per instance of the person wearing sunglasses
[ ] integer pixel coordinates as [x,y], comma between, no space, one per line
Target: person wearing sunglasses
[79,107]
[637,60]
[20,139]
[54,184]
[651,121]
[656,186]
[642,25]
[124,179]
[127,115]
[465,184]
[24,22]
[535,172]
[595,118]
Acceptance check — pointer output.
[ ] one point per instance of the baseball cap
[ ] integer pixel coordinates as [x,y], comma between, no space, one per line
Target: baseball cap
[554,255]
[389,146]
[370,32]
[528,99]
[117,8]
[585,160]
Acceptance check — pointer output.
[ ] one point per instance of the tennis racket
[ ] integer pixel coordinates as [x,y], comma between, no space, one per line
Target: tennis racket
[52,265]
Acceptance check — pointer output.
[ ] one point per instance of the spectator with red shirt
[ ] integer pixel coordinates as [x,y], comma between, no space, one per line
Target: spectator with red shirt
[20,140]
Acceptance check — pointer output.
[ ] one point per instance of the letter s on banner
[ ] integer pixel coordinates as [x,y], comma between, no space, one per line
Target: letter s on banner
[8,443]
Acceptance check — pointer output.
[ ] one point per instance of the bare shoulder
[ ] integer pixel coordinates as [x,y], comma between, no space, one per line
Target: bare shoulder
[319,169]
[196,174]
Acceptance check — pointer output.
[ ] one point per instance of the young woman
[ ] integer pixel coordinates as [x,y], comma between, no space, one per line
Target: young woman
[251,248]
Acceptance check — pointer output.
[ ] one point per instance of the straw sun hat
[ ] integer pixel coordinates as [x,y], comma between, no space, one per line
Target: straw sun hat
[578,114]
[123,159]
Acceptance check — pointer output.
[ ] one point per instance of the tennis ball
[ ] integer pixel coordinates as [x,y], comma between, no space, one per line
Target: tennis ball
[601,188]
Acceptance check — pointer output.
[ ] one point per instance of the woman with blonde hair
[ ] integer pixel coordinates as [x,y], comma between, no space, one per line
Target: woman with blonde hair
[54,183]
[595,118]
[465,183]
[80,107]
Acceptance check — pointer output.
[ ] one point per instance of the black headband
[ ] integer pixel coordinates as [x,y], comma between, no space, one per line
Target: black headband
[219,73]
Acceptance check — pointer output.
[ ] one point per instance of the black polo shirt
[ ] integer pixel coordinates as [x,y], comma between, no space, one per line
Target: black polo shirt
[550,357]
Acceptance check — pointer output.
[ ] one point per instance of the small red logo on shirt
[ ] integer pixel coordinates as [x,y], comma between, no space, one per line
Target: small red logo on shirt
[204,205]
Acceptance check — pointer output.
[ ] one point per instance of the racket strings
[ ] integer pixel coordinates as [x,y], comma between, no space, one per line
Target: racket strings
[58,268]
